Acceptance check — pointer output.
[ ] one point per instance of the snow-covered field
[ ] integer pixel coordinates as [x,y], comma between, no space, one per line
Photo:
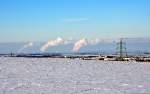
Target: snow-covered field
[64,76]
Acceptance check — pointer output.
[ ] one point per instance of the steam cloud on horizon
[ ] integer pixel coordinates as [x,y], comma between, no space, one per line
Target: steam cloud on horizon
[77,45]
[58,41]
[84,42]
[67,45]
[30,44]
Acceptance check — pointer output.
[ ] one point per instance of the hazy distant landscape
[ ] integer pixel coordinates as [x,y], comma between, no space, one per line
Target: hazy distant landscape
[133,46]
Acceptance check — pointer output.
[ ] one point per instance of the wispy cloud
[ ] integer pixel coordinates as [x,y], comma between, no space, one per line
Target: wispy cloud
[72,20]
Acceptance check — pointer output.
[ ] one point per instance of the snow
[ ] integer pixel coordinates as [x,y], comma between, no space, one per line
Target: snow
[65,76]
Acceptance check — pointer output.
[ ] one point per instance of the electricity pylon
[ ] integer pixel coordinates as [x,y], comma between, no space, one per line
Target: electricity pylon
[121,49]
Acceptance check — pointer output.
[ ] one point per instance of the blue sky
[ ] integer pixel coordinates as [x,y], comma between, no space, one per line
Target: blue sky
[41,20]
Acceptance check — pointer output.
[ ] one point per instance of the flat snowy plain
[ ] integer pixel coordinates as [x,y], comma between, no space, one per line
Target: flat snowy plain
[65,76]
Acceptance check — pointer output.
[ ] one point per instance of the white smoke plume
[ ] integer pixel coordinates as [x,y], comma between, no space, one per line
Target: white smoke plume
[51,43]
[79,44]
[94,41]
[85,42]
[30,44]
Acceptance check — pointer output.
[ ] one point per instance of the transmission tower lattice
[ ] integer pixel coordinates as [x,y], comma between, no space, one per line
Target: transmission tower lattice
[121,49]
